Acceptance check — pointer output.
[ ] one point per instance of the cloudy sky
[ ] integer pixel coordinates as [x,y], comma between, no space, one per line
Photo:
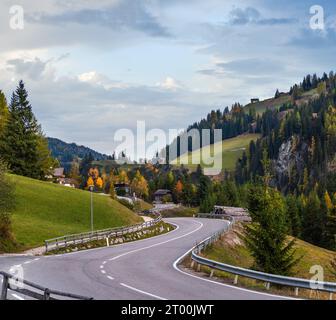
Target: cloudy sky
[92,67]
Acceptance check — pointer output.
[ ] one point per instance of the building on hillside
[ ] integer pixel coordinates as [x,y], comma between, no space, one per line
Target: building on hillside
[58,177]
[254,100]
[163,196]
[58,173]
[67,182]
[122,189]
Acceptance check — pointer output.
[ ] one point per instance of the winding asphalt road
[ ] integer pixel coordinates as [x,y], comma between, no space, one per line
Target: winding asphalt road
[145,269]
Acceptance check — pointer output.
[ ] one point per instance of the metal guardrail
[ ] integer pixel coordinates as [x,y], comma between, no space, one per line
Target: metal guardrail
[80,238]
[215,216]
[34,291]
[252,274]
[224,216]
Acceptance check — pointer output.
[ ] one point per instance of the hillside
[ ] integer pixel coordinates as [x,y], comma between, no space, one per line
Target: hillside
[271,103]
[66,152]
[46,210]
[230,249]
[276,103]
[232,150]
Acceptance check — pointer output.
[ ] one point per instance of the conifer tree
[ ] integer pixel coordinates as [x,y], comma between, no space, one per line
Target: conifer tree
[266,238]
[22,145]
[313,220]
[3,112]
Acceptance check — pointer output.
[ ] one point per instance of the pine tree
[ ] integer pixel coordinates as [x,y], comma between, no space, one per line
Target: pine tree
[21,142]
[293,216]
[266,238]
[313,220]
[3,112]
[207,204]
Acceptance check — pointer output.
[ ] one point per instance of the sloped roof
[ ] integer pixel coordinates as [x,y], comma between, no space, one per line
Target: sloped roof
[162,192]
[59,172]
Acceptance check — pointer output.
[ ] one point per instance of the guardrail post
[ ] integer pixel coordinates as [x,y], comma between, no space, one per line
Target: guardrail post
[46,245]
[107,242]
[46,295]
[331,296]
[268,285]
[198,267]
[235,281]
[211,273]
[4,288]
[296,291]
[192,264]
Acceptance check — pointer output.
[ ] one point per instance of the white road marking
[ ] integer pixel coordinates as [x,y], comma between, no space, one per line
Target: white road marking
[27,262]
[103,271]
[109,277]
[17,297]
[158,244]
[101,267]
[104,262]
[223,284]
[143,292]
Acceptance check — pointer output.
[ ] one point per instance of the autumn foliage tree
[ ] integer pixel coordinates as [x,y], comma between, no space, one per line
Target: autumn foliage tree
[139,185]
[94,180]
[178,190]
[123,177]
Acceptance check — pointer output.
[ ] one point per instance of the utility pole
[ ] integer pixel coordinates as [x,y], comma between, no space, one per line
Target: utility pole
[91,191]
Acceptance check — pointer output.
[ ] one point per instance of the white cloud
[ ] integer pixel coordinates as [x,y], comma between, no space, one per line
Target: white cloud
[169,83]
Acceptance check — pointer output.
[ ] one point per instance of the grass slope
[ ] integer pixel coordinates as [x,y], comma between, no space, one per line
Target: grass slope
[229,249]
[274,103]
[232,149]
[45,210]
[179,212]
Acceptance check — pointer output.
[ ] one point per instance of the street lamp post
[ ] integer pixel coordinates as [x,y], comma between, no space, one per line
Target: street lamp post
[91,191]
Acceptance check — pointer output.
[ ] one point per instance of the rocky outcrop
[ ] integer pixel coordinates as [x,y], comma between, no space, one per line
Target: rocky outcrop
[290,161]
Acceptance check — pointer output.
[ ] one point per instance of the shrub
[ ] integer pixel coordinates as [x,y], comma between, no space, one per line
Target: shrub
[7,204]
[126,203]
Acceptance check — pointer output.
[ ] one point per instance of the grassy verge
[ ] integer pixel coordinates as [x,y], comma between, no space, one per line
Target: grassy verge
[230,249]
[160,228]
[179,212]
[142,205]
[45,210]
